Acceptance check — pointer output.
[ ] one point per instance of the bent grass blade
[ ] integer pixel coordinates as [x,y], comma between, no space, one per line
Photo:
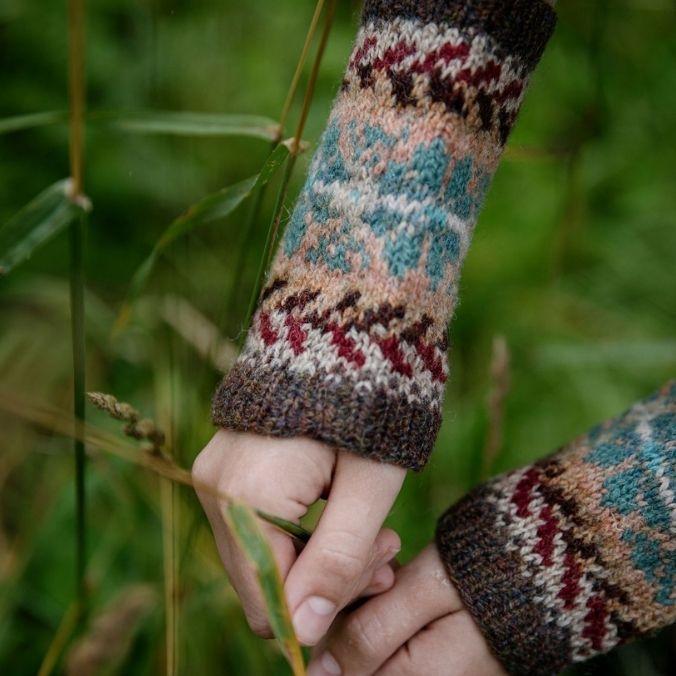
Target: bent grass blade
[156,122]
[243,523]
[211,208]
[187,123]
[42,218]
[32,120]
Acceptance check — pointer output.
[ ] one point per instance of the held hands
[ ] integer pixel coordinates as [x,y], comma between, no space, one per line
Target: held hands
[348,554]
[419,626]
[414,623]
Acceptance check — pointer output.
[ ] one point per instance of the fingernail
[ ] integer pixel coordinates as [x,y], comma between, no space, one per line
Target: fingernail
[384,577]
[324,666]
[392,552]
[312,619]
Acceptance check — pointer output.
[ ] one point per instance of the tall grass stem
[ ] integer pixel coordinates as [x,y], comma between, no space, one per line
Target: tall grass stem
[271,237]
[496,403]
[255,210]
[291,94]
[312,81]
[76,92]
[166,392]
[63,634]
[76,80]
[168,509]
[77,229]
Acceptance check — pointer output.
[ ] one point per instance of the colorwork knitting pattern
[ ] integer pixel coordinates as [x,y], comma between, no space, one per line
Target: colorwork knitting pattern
[575,554]
[348,344]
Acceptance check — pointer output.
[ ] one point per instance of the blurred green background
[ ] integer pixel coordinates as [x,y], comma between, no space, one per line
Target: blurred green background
[572,263]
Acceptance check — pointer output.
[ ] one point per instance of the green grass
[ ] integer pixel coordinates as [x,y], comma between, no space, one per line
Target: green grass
[572,263]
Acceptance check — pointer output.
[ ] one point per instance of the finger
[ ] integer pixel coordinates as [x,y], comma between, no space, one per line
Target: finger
[329,572]
[361,641]
[242,466]
[379,574]
[242,574]
[381,581]
[451,645]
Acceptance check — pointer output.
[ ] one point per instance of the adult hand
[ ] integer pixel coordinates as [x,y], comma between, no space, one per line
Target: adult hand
[347,555]
[417,627]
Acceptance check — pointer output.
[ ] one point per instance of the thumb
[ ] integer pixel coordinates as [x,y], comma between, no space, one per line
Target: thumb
[338,561]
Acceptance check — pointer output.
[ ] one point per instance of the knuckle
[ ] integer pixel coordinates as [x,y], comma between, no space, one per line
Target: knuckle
[340,563]
[364,632]
[203,469]
[247,485]
[402,664]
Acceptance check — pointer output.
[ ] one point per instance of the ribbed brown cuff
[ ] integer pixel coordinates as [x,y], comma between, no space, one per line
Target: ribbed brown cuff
[487,574]
[375,425]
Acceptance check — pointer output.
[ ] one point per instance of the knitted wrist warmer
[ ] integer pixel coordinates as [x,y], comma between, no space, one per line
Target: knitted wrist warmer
[576,554]
[348,344]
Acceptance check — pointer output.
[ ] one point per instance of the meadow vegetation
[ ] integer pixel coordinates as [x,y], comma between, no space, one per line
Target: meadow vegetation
[567,313]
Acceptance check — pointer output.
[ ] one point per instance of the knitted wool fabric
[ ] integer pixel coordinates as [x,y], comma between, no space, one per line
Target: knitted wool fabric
[575,554]
[348,344]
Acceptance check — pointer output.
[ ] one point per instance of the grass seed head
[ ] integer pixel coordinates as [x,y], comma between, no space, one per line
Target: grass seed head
[143,429]
[116,409]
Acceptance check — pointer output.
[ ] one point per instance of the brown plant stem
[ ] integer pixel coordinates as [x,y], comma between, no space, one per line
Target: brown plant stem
[500,383]
[58,421]
[295,147]
[76,80]
[254,212]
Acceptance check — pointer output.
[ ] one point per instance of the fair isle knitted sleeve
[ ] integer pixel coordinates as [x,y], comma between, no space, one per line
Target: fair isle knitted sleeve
[348,344]
[576,554]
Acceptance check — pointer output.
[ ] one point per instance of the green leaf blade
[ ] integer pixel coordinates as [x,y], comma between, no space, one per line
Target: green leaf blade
[213,207]
[157,122]
[222,203]
[187,123]
[39,221]
[243,523]
[31,120]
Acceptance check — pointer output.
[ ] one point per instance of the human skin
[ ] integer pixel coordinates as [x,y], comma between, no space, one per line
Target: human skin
[414,621]
[348,553]
[418,626]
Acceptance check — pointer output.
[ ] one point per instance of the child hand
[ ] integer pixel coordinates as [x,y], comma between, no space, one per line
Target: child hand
[348,554]
[417,627]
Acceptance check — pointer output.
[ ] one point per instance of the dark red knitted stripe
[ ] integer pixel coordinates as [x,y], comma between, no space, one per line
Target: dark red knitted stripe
[501,600]
[391,347]
[464,94]
[520,27]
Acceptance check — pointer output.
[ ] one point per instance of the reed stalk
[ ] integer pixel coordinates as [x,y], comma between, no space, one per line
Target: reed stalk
[291,94]
[271,237]
[170,573]
[255,210]
[166,392]
[76,79]
[63,634]
[59,422]
[496,402]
